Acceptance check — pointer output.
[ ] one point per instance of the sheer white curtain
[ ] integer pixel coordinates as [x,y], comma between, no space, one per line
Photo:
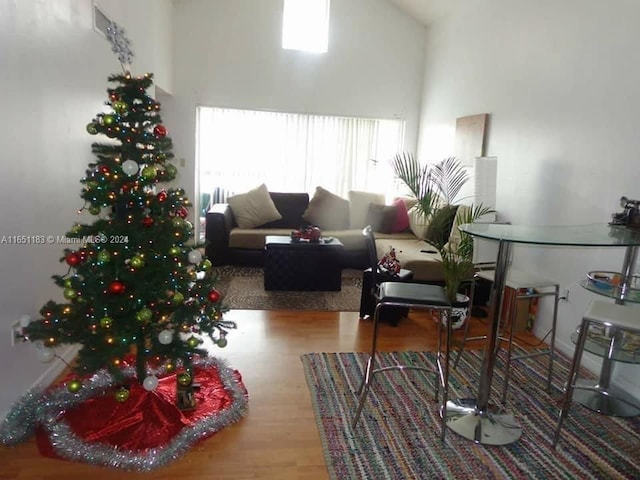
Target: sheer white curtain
[240,149]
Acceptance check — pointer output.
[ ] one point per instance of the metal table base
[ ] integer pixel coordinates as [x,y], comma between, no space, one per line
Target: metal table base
[492,427]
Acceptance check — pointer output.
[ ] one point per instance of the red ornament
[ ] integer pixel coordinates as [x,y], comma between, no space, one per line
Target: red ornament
[159,131]
[116,287]
[214,296]
[182,212]
[73,259]
[147,221]
[162,196]
[104,169]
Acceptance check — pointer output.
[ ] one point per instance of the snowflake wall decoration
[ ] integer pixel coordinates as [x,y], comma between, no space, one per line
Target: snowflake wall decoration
[120,44]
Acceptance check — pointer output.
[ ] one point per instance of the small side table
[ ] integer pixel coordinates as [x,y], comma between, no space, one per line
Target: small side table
[368,302]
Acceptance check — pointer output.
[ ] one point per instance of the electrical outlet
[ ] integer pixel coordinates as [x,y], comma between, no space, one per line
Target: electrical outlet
[565,295]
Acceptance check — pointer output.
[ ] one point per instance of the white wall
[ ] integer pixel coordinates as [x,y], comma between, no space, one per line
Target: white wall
[228,54]
[560,80]
[53,73]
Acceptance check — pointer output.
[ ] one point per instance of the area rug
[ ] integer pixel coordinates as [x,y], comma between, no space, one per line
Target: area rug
[398,434]
[243,288]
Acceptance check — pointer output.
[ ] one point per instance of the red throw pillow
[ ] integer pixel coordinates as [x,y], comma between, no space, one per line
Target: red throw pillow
[401,223]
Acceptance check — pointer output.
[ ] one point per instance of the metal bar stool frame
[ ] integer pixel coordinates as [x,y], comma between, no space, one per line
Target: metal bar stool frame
[545,288]
[620,318]
[384,293]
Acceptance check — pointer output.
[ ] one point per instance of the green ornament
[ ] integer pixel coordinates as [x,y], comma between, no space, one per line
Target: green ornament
[103,256]
[76,228]
[92,128]
[105,322]
[175,251]
[193,342]
[188,225]
[108,120]
[171,170]
[67,283]
[221,342]
[95,210]
[177,222]
[161,157]
[119,107]
[122,395]
[149,172]
[136,262]
[69,293]
[144,315]
[74,385]
[177,298]
[206,265]
[184,379]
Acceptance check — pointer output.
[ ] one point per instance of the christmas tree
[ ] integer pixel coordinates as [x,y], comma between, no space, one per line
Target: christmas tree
[136,284]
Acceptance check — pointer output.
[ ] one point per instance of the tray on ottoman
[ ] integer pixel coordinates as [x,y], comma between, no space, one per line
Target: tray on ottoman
[302,266]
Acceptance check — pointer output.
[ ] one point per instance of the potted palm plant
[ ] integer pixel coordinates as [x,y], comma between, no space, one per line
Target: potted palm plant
[435,187]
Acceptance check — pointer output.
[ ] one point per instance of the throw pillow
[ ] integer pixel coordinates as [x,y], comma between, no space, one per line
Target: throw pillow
[401,222]
[418,223]
[381,217]
[461,214]
[359,206]
[253,208]
[327,211]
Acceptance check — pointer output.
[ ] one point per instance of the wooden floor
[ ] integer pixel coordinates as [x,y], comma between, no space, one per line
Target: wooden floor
[278,439]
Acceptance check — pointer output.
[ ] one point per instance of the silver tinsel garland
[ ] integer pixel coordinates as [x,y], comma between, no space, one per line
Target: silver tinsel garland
[46,408]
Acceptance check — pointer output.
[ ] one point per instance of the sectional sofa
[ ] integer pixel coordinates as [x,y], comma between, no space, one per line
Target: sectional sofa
[236,231]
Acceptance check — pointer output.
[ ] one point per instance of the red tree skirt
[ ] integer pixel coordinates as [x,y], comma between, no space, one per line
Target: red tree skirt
[115,431]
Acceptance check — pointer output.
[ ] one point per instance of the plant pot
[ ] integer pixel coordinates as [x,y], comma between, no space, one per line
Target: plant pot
[459,311]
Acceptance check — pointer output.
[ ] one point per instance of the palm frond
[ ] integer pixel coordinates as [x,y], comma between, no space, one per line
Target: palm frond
[449,176]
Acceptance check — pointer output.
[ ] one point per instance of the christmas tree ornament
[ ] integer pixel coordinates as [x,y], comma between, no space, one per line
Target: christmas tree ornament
[159,131]
[72,259]
[175,251]
[130,167]
[222,342]
[95,210]
[45,355]
[182,212]
[92,128]
[116,287]
[144,315]
[206,265]
[162,196]
[184,379]
[177,298]
[69,293]
[194,256]
[193,342]
[67,283]
[122,395]
[74,386]
[171,170]
[214,296]
[108,120]
[149,172]
[103,256]
[150,383]
[105,322]
[177,222]
[119,107]
[136,262]
[165,337]
[147,222]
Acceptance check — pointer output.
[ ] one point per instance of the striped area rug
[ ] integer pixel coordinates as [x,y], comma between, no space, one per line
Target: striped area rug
[398,434]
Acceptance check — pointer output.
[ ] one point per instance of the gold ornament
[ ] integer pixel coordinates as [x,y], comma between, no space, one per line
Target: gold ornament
[184,379]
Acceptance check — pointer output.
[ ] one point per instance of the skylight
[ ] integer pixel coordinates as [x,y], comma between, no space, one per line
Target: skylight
[305,25]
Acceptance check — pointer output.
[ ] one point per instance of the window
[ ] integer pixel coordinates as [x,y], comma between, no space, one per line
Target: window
[305,25]
[240,149]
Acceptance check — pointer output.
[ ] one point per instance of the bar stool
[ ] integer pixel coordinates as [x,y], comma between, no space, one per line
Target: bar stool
[525,286]
[415,296]
[621,320]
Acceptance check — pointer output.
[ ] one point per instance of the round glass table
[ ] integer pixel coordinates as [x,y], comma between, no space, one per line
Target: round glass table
[479,420]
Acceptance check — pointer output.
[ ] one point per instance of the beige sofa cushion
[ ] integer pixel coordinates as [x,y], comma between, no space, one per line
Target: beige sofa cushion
[327,210]
[359,207]
[253,208]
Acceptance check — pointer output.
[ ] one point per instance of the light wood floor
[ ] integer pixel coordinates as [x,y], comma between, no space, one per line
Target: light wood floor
[278,439]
